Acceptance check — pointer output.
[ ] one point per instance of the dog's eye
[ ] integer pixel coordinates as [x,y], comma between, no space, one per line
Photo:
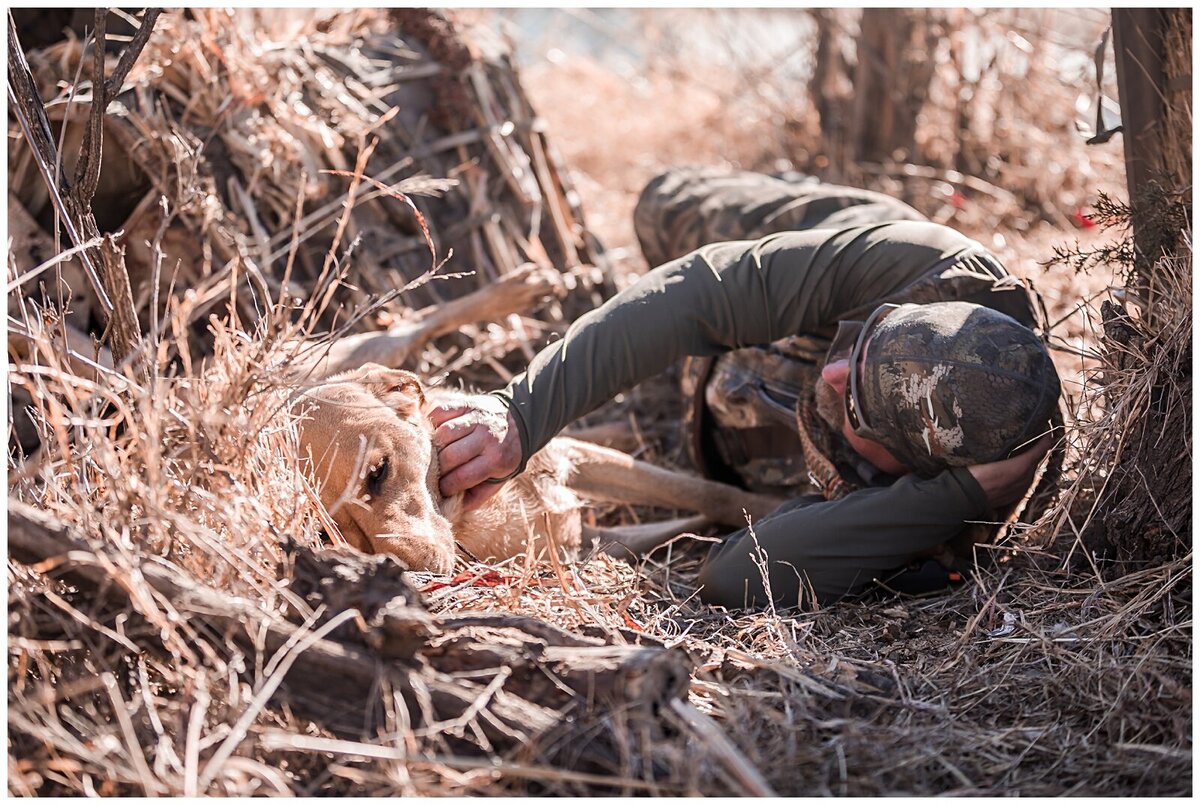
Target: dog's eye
[377,475]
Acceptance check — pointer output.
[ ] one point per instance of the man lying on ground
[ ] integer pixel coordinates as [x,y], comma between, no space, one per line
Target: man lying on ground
[931,410]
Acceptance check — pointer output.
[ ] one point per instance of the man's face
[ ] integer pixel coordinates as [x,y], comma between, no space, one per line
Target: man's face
[837,375]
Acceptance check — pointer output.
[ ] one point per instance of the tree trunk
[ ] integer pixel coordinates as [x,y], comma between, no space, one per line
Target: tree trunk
[1147,501]
[891,82]
[1153,49]
[830,90]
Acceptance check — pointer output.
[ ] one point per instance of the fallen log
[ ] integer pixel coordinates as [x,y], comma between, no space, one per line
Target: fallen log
[353,626]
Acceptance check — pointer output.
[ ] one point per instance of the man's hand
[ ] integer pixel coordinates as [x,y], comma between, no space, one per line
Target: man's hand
[477,441]
[1008,480]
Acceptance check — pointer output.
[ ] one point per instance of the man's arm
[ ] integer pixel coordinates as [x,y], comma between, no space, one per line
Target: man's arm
[724,296]
[838,548]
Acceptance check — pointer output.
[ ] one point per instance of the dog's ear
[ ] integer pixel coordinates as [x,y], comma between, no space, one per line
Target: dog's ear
[399,390]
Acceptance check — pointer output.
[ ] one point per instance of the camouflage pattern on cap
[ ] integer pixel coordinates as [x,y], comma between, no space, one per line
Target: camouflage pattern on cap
[952,384]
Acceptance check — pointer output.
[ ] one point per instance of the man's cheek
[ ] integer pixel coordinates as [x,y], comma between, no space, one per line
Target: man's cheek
[830,405]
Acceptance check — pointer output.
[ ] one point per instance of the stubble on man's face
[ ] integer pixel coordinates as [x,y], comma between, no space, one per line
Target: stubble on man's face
[830,405]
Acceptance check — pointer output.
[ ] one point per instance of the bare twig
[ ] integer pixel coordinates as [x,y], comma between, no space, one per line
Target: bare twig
[31,115]
[131,51]
[104,263]
[87,169]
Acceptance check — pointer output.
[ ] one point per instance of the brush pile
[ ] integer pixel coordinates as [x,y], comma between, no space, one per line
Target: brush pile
[229,157]
[176,631]
[177,628]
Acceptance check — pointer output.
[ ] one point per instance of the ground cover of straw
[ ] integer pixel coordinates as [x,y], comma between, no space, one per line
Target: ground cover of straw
[1041,676]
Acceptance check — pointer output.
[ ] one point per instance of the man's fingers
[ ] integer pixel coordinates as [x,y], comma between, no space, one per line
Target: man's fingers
[445,412]
[471,474]
[452,430]
[462,451]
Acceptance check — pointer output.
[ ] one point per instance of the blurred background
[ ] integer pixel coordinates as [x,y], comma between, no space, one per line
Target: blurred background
[980,118]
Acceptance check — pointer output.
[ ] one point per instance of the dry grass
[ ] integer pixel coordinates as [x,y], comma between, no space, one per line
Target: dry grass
[1045,675]
[1027,681]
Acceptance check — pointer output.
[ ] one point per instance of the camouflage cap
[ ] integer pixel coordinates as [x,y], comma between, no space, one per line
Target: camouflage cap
[951,384]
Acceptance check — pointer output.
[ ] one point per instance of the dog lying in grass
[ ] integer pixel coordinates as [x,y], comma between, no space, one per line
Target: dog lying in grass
[368,435]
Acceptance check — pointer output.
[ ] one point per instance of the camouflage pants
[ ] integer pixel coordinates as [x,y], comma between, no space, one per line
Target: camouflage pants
[686,208]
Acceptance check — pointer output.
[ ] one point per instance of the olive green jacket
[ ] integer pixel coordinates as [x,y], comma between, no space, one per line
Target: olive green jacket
[743,293]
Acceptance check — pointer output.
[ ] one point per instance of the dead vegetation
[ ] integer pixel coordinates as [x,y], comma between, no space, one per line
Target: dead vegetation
[174,629]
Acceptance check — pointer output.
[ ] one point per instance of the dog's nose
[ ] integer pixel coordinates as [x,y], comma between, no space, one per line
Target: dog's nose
[425,554]
[445,563]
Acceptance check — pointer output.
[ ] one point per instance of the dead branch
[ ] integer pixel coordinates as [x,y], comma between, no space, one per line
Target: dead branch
[87,170]
[104,263]
[130,52]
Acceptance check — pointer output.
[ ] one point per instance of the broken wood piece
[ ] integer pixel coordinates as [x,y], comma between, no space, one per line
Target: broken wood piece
[591,678]
[518,292]
[561,218]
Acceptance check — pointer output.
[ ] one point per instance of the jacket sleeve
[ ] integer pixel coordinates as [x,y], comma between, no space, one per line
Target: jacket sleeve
[839,548]
[721,297]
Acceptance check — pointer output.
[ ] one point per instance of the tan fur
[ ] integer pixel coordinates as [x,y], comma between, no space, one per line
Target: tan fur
[355,420]
[372,421]
[352,421]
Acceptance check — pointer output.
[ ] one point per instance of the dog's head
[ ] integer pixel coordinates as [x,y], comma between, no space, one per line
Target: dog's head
[375,466]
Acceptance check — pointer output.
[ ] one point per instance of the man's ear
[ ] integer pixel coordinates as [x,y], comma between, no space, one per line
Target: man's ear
[397,389]
[836,374]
